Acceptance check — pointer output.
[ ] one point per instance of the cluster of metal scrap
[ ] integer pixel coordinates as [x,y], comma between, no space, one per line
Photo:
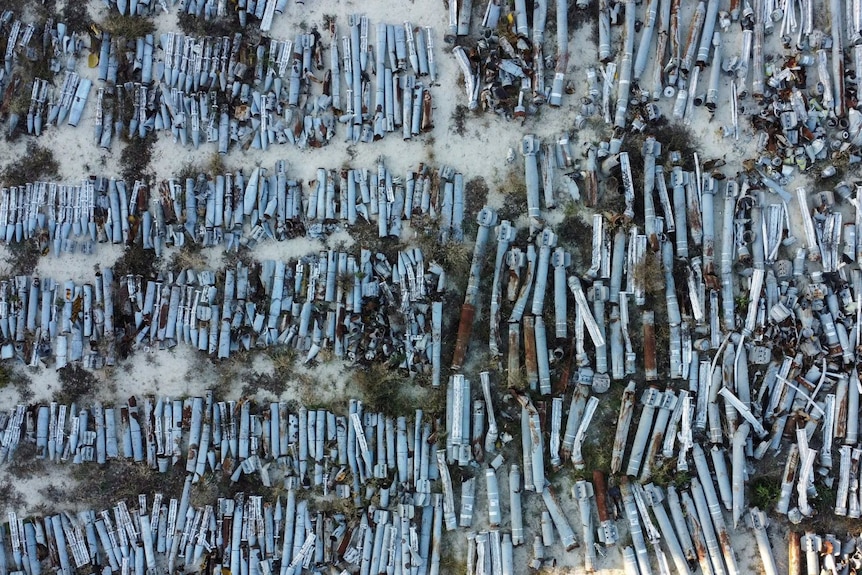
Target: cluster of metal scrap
[776,364]
[364,310]
[41,318]
[715,340]
[61,49]
[470,443]
[828,551]
[802,130]
[218,90]
[384,464]
[263,11]
[506,72]
[672,70]
[792,114]
[230,209]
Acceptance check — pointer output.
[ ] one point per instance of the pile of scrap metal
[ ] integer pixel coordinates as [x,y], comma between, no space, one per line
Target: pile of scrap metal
[384,464]
[235,14]
[60,49]
[759,348]
[221,90]
[307,305]
[230,209]
[41,318]
[318,302]
[506,70]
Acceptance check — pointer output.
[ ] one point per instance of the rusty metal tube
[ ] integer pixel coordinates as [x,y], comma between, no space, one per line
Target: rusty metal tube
[607,528]
[530,360]
[486,220]
[691,42]
[794,554]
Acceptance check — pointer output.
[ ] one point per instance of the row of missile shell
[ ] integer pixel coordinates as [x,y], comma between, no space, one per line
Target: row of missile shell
[240,535]
[230,535]
[221,432]
[263,11]
[64,48]
[229,209]
[313,446]
[198,91]
[506,67]
[305,305]
[309,448]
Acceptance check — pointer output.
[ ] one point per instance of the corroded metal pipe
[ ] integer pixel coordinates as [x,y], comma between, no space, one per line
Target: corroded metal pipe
[691,42]
[486,220]
[607,528]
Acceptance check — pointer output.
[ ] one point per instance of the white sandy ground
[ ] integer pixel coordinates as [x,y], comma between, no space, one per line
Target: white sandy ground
[481,151]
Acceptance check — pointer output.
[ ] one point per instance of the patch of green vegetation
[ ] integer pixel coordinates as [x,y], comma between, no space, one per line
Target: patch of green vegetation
[76,16]
[666,474]
[136,261]
[579,18]
[459,119]
[454,256]
[76,383]
[135,159]
[188,256]
[383,389]
[38,163]
[451,561]
[129,27]
[514,190]
[25,464]
[575,233]
[475,198]
[23,257]
[266,381]
[649,272]
[192,25]
[101,487]
[763,491]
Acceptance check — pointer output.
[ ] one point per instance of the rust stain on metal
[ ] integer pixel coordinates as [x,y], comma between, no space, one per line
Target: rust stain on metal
[591,189]
[514,364]
[530,360]
[655,444]
[841,417]
[794,554]
[601,493]
[697,539]
[724,541]
[566,372]
[427,111]
[792,463]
